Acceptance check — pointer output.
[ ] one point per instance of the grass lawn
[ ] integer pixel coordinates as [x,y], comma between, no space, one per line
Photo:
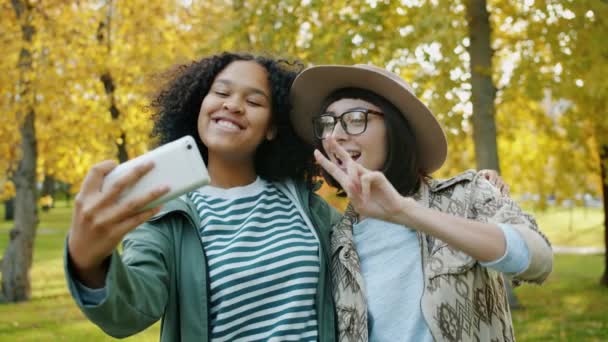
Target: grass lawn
[51,315]
[569,307]
[572,227]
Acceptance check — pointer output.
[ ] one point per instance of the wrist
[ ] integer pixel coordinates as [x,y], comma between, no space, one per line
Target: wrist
[404,211]
[89,273]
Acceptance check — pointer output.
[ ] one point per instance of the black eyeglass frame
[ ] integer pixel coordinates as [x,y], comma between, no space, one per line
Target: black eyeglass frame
[339,118]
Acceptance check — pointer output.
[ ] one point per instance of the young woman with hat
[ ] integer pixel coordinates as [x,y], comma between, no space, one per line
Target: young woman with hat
[413,258]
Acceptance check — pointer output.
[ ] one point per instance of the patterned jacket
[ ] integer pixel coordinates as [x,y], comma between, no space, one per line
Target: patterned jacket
[461,300]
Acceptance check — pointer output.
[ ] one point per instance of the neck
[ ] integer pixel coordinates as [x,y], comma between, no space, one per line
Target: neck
[230,173]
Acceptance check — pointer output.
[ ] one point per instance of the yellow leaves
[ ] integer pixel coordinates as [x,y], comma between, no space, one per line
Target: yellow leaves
[75,129]
[330,195]
[7,189]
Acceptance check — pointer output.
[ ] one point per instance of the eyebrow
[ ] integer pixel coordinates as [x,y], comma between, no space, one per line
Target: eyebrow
[350,110]
[251,89]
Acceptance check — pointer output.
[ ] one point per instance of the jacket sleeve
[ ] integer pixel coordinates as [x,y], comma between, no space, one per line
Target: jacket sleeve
[488,205]
[324,210]
[136,284]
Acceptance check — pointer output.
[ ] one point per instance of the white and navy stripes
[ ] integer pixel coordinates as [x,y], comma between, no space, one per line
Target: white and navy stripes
[263,264]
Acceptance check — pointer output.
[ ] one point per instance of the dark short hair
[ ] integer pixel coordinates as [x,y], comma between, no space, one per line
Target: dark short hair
[401,167]
[178,104]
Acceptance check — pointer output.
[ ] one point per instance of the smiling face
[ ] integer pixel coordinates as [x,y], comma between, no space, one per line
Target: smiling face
[235,116]
[369,148]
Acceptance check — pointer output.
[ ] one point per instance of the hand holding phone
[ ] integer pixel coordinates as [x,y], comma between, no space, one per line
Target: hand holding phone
[177,164]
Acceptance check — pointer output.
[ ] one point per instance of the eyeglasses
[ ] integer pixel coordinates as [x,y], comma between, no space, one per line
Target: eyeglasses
[354,122]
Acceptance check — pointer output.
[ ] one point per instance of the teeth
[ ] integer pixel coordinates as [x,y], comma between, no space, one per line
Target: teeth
[227,124]
[353,155]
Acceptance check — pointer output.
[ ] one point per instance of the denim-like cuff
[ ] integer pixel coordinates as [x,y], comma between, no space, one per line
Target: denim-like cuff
[517,256]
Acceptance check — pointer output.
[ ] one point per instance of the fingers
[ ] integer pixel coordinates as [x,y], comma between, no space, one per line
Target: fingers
[366,183]
[505,189]
[495,179]
[368,180]
[130,178]
[338,151]
[490,175]
[330,167]
[94,179]
[132,222]
[353,172]
[124,211]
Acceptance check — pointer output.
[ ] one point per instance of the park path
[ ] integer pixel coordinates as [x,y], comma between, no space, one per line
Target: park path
[578,250]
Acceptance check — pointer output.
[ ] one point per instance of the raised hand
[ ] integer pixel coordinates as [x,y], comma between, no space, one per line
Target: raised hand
[493,177]
[99,223]
[370,193]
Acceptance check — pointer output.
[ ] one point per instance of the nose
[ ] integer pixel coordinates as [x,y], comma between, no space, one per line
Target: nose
[232,105]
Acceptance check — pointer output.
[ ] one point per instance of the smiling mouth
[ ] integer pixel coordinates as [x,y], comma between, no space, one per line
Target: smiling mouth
[353,155]
[227,124]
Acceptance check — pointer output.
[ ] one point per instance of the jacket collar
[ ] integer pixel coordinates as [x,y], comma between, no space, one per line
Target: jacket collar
[181,204]
[184,205]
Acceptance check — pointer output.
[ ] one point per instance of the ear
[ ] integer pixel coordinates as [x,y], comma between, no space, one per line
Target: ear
[271,133]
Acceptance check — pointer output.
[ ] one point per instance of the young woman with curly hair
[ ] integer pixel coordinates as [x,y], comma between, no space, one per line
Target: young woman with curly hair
[242,259]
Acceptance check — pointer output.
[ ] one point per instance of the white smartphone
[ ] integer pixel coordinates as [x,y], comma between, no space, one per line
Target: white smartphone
[177,164]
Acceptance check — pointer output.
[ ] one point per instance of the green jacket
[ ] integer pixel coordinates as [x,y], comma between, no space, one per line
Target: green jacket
[162,273]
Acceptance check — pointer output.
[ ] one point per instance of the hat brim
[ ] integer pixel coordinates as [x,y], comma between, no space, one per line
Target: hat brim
[312,86]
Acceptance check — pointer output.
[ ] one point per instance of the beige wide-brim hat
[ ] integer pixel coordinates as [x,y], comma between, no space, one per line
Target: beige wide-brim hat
[313,85]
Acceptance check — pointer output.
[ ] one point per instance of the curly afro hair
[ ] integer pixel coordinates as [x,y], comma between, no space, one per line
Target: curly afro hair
[177,107]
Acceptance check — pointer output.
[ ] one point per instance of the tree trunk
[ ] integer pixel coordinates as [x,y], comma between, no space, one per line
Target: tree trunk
[47,194]
[483,95]
[9,209]
[108,83]
[48,186]
[483,90]
[604,168]
[104,31]
[17,258]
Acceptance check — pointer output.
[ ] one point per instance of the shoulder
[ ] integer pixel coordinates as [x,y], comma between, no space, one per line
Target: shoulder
[322,208]
[181,204]
[463,179]
[469,178]
[464,191]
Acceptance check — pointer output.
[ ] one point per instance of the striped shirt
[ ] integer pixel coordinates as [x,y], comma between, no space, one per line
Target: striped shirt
[263,264]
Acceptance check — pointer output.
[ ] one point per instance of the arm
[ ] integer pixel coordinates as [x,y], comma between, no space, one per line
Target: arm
[99,223]
[482,241]
[136,284]
[488,206]
[98,226]
[372,195]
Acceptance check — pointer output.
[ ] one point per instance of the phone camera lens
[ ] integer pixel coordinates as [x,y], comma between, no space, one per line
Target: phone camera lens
[189,146]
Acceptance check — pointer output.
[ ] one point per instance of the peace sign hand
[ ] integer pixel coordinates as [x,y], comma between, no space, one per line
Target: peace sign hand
[370,193]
